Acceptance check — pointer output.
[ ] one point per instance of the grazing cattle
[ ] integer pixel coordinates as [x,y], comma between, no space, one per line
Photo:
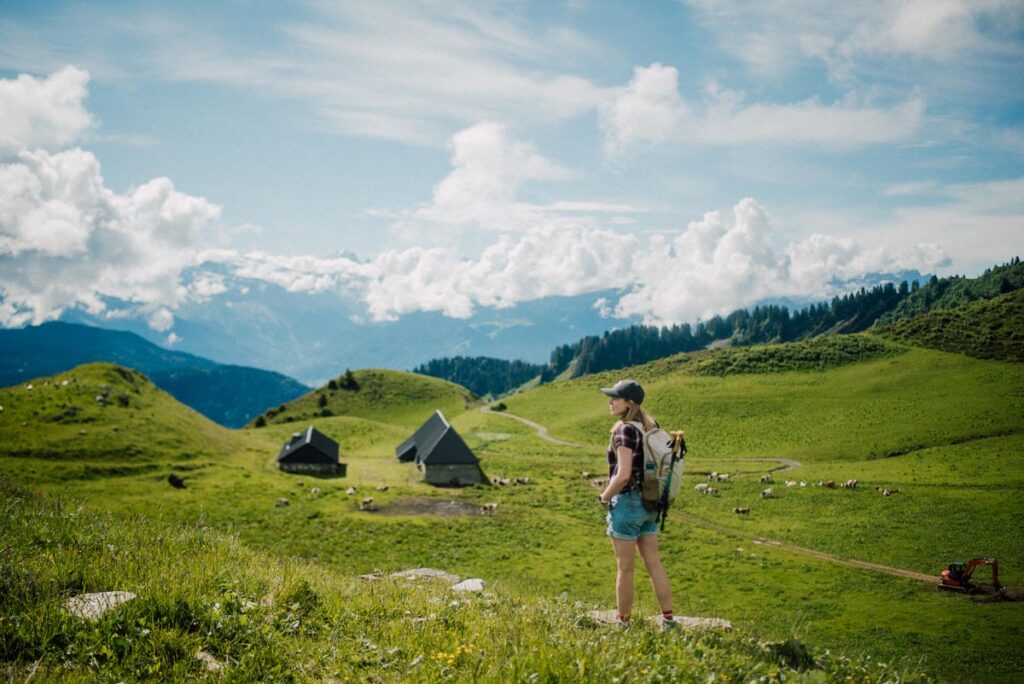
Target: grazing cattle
[501,481]
[175,481]
[850,484]
[723,477]
[701,487]
[281,502]
[350,491]
[767,493]
[791,483]
[831,484]
[315,491]
[522,480]
[382,488]
[367,504]
[713,477]
[711,491]
[765,479]
[600,482]
[741,510]
[298,483]
[886,491]
[585,474]
[802,483]
[488,509]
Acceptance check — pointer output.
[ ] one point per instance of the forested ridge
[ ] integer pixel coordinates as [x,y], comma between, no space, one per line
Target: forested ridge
[850,313]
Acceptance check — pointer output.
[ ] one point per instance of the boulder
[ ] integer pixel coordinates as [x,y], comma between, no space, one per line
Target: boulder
[94,606]
[469,585]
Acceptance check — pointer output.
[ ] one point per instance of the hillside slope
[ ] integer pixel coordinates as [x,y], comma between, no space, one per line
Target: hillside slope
[395,397]
[229,395]
[987,329]
[101,411]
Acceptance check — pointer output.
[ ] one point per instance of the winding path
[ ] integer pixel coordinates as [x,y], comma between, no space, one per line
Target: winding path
[542,431]
[787,464]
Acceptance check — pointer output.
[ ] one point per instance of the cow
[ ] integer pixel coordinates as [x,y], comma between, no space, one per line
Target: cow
[767,493]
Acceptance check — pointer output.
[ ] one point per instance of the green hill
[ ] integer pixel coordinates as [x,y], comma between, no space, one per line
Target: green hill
[950,293]
[944,429]
[102,419]
[987,329]
[388,396]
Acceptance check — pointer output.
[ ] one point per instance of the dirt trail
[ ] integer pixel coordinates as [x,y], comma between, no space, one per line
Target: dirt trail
[542,431]
[763,541]
[788,464]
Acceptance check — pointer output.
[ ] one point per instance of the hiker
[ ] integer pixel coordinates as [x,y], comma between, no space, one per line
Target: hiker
[631,527]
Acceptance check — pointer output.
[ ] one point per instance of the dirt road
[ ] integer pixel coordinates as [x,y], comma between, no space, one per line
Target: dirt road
[542,431]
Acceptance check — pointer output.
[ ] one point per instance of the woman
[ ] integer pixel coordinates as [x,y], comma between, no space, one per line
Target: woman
[631,527]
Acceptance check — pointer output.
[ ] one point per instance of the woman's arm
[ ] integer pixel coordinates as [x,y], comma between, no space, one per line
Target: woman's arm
[623,471]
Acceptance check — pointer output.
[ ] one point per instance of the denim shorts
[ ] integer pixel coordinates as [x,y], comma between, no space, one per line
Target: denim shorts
[628,519]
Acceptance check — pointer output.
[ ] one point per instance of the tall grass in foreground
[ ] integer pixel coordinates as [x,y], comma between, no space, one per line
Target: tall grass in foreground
[266,619]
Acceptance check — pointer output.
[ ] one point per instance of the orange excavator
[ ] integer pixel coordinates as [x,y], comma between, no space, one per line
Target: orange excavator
[957,577]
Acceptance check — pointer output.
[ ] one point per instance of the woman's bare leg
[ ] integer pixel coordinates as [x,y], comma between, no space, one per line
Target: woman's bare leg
[648,547]
[625,562]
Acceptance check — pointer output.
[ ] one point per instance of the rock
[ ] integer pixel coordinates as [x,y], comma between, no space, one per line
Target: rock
[314,491]
[610,617]
[209,662]
[93,606]
[281,502]
[469,585]
[421,573]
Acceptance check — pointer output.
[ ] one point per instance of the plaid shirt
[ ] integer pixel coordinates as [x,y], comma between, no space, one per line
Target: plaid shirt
[628,436]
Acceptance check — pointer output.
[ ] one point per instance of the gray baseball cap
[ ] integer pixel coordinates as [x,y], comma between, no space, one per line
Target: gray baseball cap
[626,389]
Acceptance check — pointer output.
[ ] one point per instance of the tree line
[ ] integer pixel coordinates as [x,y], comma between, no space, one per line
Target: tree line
[636,344]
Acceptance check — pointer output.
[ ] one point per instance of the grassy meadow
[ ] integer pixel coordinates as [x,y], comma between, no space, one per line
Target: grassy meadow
[944,429]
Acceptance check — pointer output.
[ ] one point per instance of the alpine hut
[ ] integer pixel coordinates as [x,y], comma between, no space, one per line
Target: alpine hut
[440,453]
[311,452]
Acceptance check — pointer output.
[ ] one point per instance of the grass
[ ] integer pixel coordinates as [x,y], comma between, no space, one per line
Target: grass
[944,428]
[267,619]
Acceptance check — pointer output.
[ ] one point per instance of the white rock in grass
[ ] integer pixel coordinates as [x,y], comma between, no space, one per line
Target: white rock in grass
[469,585]
[209,662]
[418,573]
[93,606]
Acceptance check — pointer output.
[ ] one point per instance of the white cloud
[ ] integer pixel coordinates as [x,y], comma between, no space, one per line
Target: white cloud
[66,240]
[716,266]
[489,168]
[648,109]
[772,37]
[46,113]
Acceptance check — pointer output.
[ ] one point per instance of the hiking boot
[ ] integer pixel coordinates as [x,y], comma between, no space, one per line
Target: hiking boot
[623,625]
[668,625]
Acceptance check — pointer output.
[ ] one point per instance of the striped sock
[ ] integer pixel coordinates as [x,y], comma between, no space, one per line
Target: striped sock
[666,615]
[623,618]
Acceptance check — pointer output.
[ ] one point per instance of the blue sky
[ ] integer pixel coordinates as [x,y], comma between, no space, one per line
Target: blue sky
[700,154]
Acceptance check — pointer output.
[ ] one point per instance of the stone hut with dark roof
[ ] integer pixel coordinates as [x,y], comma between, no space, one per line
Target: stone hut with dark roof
[439,452]
[311,452]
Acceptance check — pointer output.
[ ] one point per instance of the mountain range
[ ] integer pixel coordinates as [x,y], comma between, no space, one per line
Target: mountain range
[315,336]
[227,394]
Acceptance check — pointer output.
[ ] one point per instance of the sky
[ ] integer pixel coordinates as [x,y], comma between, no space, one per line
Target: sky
[698,155]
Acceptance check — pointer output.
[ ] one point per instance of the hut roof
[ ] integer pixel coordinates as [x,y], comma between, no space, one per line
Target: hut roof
[311,437]
[436,442]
